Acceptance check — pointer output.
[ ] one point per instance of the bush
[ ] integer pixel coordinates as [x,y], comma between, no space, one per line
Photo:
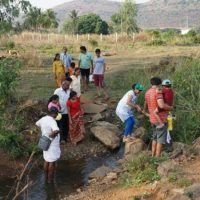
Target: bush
[186,84]
[93,43]
[9,75]
[156,42]
[10,45]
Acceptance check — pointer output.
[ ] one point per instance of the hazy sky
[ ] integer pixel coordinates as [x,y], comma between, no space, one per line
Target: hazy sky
[52,3]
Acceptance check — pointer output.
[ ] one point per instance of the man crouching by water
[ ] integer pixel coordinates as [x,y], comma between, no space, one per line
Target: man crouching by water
[50,129]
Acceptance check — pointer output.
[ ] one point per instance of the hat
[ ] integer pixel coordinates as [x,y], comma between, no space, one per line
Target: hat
[138,86]
[166,82]
[53,110]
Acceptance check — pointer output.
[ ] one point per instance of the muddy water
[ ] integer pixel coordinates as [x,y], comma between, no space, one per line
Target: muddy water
[70,175]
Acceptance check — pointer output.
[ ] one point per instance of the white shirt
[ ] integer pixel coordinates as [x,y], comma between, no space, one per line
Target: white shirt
[66,58]
[63,98]
[124,111]
[48,125]
[76,85]
[99,66]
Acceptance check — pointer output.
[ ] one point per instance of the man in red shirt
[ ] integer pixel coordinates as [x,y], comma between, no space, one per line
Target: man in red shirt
[153,100]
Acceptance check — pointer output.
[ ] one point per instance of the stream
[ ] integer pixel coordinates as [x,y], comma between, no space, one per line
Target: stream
[70,175]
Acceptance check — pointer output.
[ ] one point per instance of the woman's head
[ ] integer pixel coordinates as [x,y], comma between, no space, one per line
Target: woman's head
[57,57]
[77,72]
[54,99]
[83,49]
[137,88]
[73,95]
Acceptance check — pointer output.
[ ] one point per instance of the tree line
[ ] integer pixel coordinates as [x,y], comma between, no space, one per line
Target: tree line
[35,19]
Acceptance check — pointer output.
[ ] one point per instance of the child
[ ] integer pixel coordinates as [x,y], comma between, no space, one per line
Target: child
[72,69]
[58,70]
[168,96]
[76,124]
[54,102]
[76,82]
[99,67]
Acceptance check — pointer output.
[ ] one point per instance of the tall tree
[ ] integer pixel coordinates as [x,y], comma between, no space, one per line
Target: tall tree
[49,20]
[125,20]
[9,10]
[74,20]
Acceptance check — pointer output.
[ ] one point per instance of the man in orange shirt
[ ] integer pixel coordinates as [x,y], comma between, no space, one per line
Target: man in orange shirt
[153,100]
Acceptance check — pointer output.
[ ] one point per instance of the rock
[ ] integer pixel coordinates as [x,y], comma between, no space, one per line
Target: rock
[194,190]
[110,127]
[178,149]
[107,133]
[141,133]
[97,117]
[111,176]
[196,144]
[134,147]
[91,108]
[178,197]
[100,173]
[166,167]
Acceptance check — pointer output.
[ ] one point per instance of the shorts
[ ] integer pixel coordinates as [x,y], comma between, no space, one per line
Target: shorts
[85,72]
[98,80]
[160,134]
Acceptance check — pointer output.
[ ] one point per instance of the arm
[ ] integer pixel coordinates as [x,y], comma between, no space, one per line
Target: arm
[164,106]
[131,104]
[104,67]
[54,134]
[70,118]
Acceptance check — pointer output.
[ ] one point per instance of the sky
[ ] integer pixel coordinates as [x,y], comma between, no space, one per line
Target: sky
[51,3]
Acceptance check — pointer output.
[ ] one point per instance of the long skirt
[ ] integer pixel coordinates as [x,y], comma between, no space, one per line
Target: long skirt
[59,78]
[76,129]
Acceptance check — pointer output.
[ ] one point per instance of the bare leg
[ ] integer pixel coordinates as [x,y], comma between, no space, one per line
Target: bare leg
[98,91]
[51,172]
[46,169]
[105,93]
[158,150]
[154,144]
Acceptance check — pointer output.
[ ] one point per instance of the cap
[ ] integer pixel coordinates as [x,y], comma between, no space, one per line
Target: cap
[138,86]
[166,82]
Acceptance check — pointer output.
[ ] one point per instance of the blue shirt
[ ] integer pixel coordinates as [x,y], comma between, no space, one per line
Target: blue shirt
[66,58]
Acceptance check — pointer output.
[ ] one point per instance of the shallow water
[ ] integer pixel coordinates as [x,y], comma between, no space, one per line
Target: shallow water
[70,175]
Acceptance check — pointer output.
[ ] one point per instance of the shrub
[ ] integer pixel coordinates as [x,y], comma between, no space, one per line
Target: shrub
[186,84]
[93,43]
[156,42]
[9,75]
[10,45]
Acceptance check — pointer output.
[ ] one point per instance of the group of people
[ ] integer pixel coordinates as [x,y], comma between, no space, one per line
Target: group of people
[158,103]
[64,121]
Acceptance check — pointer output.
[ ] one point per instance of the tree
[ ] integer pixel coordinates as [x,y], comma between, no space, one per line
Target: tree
[9,10]
[124,20]
[90,23]
[74,20]
[36,19]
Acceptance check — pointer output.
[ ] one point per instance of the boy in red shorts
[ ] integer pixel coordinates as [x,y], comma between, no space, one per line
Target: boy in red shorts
[99,67]
[168,96]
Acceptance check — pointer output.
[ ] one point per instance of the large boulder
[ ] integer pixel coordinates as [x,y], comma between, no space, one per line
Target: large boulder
[134,147]
[194,190]
[107,133]
[141,133]
[91,108]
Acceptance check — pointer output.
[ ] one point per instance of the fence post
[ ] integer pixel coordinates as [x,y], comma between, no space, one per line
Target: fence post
[77,37]
[88,36]
[101,37]
[133,37]
[65,38]
[33,36]
[116,37]
[40,37]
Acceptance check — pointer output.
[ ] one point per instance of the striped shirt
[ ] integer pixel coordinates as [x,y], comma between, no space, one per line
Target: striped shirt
[151,98]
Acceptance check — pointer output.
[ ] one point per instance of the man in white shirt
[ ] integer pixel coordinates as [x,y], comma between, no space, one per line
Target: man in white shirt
[66,58]
[63,92]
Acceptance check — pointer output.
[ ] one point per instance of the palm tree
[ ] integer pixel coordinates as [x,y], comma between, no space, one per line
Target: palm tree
[74,17]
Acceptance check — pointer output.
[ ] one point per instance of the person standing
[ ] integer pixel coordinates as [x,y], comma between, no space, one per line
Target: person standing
[63,92]
[66,58]
[153,100]
[76,82]
[58,70]
[50,129]
[85,63]
[124,110]
[76,124]
[99,68]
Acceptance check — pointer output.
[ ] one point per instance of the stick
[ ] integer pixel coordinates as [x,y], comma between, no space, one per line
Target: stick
[24,188]
[23,171]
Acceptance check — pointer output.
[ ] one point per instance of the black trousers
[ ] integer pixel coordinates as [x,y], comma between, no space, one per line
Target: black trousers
[64,126]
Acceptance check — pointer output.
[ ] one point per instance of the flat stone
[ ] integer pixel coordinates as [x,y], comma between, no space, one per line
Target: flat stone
[91,108]
[100,173]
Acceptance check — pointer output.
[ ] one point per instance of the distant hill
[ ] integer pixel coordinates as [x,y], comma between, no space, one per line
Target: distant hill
[153,14]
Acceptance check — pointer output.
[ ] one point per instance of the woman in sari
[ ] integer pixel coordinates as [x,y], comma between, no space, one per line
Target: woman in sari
[76,124]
